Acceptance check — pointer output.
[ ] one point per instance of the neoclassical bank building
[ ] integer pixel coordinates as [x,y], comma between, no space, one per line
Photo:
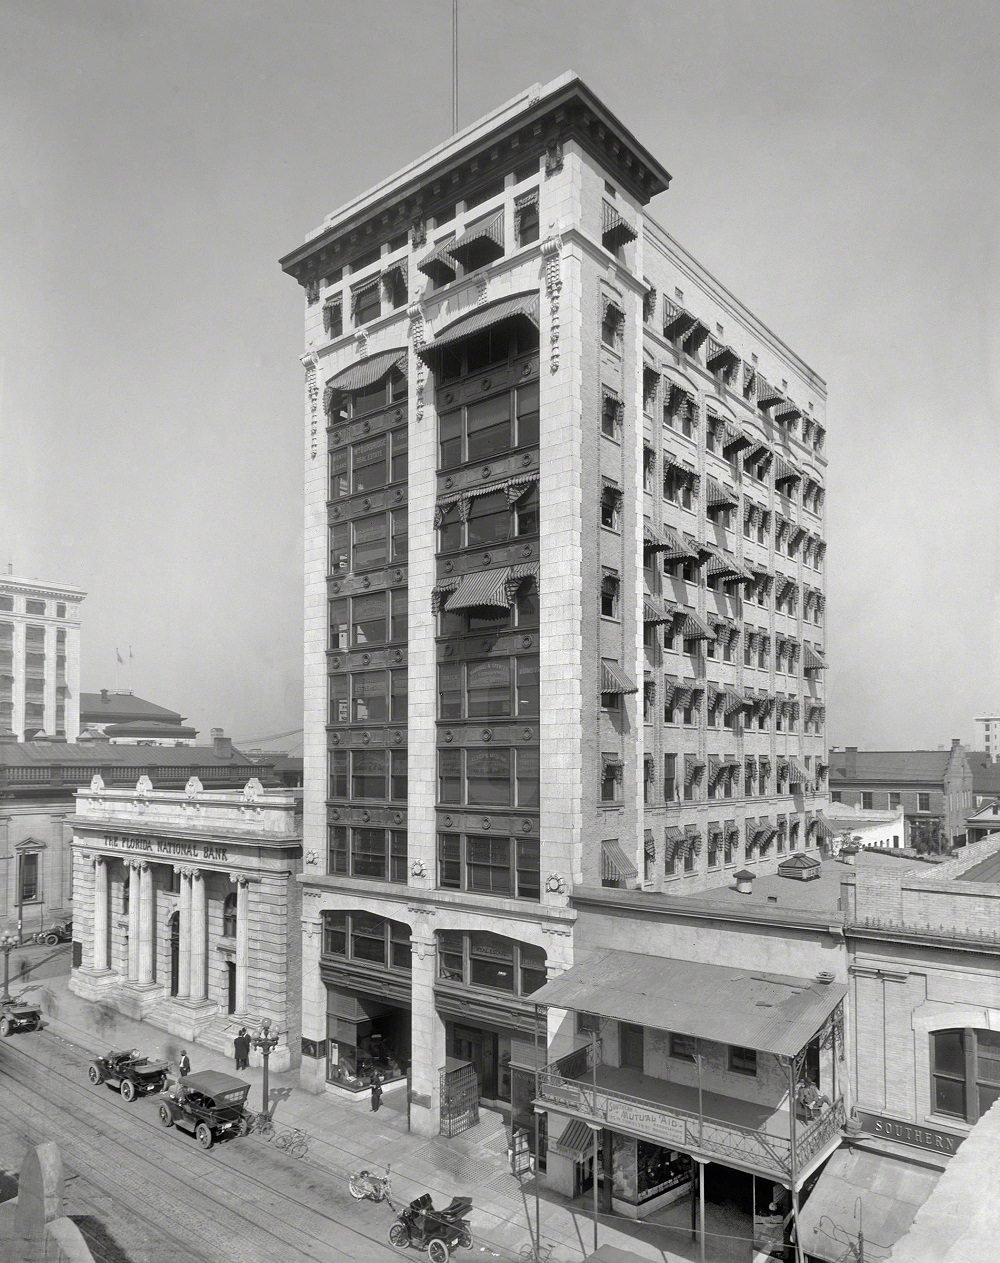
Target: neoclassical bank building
[170,889]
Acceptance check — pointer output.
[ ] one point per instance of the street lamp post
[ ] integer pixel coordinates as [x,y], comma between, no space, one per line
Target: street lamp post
[265,1043]
[8,942]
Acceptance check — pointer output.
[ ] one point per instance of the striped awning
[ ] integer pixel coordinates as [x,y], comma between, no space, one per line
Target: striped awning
[672,839]
[676,320]
[811,660]
[767,395]
[694,627]
[517,306]
[489,230]
[787,412]
[576,1140]
[784,471]
[797,774]
[513,489]
[719,356]
[665,539]
[615,864]
[749,380]
[439,265]
[823,826]
[718,496]
[649,844]
[721,563]
[365,373]
[693,769]
[613,764]
[391,269]
[734,701]
[650,381]
[493,589]
[653,614]
[684,547]
[695,336]
[732,832]
[614,679]
[615,230]
[611,490]
[733,438]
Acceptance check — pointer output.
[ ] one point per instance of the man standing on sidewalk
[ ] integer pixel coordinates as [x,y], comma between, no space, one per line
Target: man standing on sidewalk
[184,1064]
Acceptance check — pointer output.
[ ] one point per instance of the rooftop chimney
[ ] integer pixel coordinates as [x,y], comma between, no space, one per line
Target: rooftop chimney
[104,696]
[222,745]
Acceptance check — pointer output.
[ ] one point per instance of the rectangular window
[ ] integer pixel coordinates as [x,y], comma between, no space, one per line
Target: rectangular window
[923,802]
[369,770]
[895,800]
[366,302]
[488,687]
[333,318]
[34,607]
[338,773]
[339,623]
[682,1047]
[398,695]
[489,520]
[610,411]
[609,596]
[488,427]
[397,778]
[528,770]
[339,687]
[371,542]
[488,778]
[368,619]
[336,848]
[369,697]
[340,482]
[526,218]
[669,778]
[866,801]
[28,889]
[398,617]
[743,1060]
[450,776]
[370,464]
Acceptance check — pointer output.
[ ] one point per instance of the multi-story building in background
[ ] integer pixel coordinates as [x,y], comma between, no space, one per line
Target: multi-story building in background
[564,588]
[987,735]
[934,788]
[39,658]
[129,720]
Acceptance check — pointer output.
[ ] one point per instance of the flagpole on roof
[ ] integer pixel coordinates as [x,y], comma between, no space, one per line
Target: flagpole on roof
[131,669]
[118,659]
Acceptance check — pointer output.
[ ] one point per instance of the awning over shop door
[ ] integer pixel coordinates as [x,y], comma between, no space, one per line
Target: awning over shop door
[891,1191]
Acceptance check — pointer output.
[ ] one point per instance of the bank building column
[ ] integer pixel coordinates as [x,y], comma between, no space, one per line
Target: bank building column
[145,923]
[242,940]
[101,914]
[133,919]
[184,936]
[198,934]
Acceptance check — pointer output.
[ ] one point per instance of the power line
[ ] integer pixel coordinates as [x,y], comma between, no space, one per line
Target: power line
[274,736]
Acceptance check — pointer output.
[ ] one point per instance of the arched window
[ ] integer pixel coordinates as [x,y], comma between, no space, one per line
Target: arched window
[229,917]
[479,959]
[965,1072]
[364,937]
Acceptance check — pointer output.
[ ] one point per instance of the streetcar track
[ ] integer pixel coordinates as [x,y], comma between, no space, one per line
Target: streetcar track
[267,1208]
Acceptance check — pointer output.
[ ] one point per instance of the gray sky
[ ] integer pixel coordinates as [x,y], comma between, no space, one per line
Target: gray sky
[834,164]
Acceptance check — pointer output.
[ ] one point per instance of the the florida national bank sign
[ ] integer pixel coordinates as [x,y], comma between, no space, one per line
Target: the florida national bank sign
[167,847]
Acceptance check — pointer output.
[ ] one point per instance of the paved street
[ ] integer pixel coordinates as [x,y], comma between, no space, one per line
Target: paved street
[146,1194]
[152,1195]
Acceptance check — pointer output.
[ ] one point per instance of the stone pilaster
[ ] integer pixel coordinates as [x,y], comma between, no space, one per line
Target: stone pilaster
[198,936]
[428,1032]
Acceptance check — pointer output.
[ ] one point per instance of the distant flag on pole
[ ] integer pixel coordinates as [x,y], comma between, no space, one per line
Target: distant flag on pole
[121,660]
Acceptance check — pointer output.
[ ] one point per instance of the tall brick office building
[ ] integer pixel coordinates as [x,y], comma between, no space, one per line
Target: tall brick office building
[564,586]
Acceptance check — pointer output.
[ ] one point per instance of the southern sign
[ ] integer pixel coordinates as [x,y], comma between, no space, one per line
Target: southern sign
[910,1133]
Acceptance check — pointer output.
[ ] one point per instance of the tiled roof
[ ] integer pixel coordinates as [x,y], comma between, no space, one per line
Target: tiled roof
[98,753]
[150,728]
[120,708]
[881,767]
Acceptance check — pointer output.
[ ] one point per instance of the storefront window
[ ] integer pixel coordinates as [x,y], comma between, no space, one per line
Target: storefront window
[362,936]
[491,961]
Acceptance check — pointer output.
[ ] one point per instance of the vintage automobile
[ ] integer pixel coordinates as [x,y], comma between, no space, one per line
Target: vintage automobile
[132,1074]
[210,1105]
[61,932]
[16,1015]
[438,1232]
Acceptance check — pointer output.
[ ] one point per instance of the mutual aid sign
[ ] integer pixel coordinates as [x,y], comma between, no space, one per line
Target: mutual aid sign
[163,846]
[910,1133]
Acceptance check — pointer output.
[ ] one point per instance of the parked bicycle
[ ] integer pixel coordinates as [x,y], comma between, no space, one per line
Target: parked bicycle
[261,1124]
[293,1141]
[377,1188]
[530,1253]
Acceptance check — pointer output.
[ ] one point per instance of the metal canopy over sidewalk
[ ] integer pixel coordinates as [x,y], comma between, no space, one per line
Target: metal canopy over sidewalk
[773,1013]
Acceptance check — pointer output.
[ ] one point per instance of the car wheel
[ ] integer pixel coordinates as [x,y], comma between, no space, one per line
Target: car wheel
[244,1127]
[398,1235]
[465,1240]
[50,940]
[127,1089]
[203,1134]
[6,1026]
[94,1074]
[166,1118]
[437,1250]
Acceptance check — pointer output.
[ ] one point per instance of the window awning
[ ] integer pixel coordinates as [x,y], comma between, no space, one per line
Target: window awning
[439,265]
[775,1013]
[615,864]
[722,563]
[615,230]
[784,471]
[614,679]
[649,844]
[391,269]
[365,373]
[811,660]
[441,592]
[767,395]
[576,1140]
[517,306]
[488,230]
[672,839]
[612,763]
[694,627]
[653,614]
[797,774]
[493,589]
[788,412]
[891,1190]
[733,438]
[677,321]
[684,547]
[720,356]
[719,497]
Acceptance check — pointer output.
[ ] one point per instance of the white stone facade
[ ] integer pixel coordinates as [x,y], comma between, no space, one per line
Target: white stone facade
[187,909]
[39,658]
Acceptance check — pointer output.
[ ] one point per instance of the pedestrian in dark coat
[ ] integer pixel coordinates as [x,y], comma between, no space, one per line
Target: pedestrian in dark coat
[376,1093]
[241,1046]
[184,1064]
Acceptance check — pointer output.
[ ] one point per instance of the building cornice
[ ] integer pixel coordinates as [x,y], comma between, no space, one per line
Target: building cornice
[87,827]
[645,904]
[34,587]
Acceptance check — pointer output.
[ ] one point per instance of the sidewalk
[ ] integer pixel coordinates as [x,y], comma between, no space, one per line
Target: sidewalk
[344,1135]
